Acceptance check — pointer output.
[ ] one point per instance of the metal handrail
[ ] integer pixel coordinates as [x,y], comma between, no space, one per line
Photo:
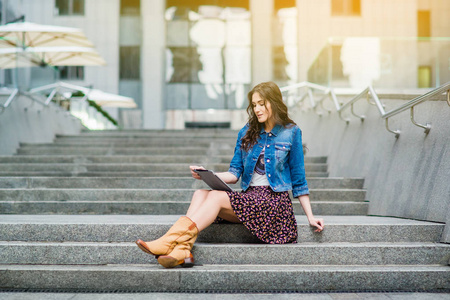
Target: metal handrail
[11,97]
[327,92]
[370,92]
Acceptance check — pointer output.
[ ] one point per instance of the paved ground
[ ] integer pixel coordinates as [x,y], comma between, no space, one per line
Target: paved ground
[172,296]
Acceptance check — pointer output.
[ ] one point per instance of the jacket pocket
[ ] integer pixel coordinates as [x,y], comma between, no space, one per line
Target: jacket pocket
[281,153]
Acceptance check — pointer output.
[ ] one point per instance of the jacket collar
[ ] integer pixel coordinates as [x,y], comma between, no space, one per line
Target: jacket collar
[275,130]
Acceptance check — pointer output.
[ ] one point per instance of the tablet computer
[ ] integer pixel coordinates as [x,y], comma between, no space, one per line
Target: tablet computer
[211,179]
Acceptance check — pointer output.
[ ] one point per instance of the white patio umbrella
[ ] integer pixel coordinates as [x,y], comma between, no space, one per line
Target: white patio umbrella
[110,100]
[99,97]
[53,56]
[30,40]
[36,35]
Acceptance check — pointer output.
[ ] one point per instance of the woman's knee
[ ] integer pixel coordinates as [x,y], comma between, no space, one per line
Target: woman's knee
[219,197]
[200,195]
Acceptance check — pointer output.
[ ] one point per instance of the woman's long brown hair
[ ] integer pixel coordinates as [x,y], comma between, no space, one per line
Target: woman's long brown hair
[268,91]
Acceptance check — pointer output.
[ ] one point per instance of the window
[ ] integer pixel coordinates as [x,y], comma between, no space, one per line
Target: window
[130,7]
[69,7]
[130,62]
[71,72]
[208,54]
[424,77]
[423,23]
[345,7]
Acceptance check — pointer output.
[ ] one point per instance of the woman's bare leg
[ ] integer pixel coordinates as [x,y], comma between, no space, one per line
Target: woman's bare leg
[197,200]
[216,203]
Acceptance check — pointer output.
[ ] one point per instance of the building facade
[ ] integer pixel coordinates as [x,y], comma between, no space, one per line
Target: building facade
[191,63]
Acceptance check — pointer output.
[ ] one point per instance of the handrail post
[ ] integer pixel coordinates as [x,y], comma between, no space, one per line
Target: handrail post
[427,127]
[448,97]
[50,97]
[362,117]
[396,132]
[11,98]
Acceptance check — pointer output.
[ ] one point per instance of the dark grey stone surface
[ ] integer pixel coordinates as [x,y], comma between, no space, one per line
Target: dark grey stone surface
[176,195]
[118,228]
[221,296]
[82,252]
[156,207]
[225,278]
[47,253]
[151,183]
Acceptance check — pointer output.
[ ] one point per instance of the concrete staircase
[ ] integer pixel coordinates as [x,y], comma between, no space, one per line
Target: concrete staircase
[71,210]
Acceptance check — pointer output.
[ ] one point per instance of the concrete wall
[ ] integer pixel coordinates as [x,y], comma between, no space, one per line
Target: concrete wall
[26,121]
[406,177]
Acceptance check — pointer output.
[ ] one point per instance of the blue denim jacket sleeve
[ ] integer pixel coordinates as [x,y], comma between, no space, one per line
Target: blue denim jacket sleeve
[237,164]
[297,165]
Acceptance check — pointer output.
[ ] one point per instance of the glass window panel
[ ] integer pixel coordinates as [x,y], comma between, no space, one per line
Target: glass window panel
[355,7]
[130,62]
[209,11]
[174,12]
[337,7]
[291,53]
[423,23]
[235,13]
[176,96]
[130,7]
[204,96]
[208,33]
[244,4]
[169,65]
[238,33]
[238,65]
[211,69]
[63,7]
[196,65]
[280,63]
[71,72]
[177,34]
[289,32]
[237,95]
[178,66]
[280,4]
[78,7]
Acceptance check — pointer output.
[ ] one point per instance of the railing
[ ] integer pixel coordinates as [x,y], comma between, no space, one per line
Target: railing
[12,95]
[369,92]
[80,108]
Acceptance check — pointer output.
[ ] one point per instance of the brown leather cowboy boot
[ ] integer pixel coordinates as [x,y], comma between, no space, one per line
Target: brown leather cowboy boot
[183,230]
[180,255]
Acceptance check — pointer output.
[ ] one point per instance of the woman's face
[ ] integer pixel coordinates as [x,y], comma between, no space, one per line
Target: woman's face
[261,108]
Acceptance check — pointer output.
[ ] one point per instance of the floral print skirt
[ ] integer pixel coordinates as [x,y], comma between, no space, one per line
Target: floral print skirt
[267,214]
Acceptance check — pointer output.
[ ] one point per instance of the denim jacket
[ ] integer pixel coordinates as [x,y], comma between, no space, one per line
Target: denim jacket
[285,166]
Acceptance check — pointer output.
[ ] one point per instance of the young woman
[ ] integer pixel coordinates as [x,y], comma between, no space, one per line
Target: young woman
[269,158]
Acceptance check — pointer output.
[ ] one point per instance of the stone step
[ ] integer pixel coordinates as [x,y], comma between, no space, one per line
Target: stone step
[176,135]
[133,144]
[342,208]
[73,253]
[128,228]
[162,133]
[148,194]
[202,151]
[77,173]
[127,167]
[151,183]
[225,278]
[131,159]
